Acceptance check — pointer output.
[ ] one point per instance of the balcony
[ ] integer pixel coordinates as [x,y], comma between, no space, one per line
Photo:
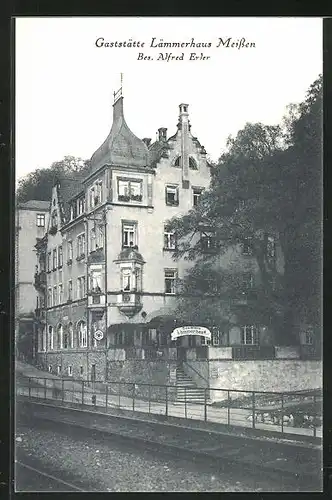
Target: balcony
[129,303]
[253,352]
[40,280]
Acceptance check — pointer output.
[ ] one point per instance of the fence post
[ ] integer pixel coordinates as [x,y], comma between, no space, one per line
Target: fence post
[119,394]
[63,390]
[253,410]
[185,402]
[45,388]
[314,426]
[106,398]
[133,397]
[228,408]
[205,405]
[166,408]
[282,413]
[82,392]
[149,398]
[29,388]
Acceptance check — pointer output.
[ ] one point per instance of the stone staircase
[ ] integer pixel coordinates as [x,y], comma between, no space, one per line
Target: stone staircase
[186,389]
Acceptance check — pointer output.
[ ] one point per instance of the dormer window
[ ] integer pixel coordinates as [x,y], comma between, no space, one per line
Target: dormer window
[192,163]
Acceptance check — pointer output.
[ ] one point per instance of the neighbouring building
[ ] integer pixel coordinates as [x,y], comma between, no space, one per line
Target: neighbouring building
[106,276]
[31,220]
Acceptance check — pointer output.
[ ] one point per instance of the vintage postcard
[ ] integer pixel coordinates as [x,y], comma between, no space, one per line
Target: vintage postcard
[168,254]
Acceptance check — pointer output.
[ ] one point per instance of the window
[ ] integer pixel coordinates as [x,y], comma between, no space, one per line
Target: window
[309,336]
[70,290]
[192,163]
[170,281]
[81,206]
[60,256]
[177,162]
[147,337]
[70,250]
[55,295]
[172,195]
[50,368]
[92,196]
[129,234]
[169,239]
[55,259]
[96,238]
[196,195]
[70,371]
[126,279]
[205,341]
[216,336]
[271,247]
[81,370]
[247,246]
[249,335]
[40,220]
[49,298]
[80,246]
[96,281]
[73,211]
[99,192]
[50,337]
[58,370]
[65,339]
[129,190]
[248,281]
[71,335]
[49,255]
[208,241]
[82,334]
[60,292]
[60,337]
[81,291]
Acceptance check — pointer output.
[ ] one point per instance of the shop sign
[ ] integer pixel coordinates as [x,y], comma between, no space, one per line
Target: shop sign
[191,330]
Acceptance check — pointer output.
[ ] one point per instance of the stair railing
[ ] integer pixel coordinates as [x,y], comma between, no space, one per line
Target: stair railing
[199,374]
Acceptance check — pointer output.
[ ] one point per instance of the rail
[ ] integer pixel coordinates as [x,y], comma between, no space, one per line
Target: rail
[288,413]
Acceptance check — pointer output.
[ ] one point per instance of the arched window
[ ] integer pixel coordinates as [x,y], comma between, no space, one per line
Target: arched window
[82,334]
[177,162]
[60,337]
[71,335]
[192,163]
[50,338]
[65,339]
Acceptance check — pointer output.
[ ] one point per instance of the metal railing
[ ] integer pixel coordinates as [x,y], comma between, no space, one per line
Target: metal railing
[292,412]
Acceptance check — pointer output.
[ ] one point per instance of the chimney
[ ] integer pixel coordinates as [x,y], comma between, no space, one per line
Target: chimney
[147,141]
[162,134]
[184,128]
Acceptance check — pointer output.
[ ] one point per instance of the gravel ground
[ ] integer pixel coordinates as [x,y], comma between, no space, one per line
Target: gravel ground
[85,457]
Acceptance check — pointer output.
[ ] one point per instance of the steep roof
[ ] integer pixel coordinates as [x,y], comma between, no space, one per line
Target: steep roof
[121,147]
[35,205]
[68,189]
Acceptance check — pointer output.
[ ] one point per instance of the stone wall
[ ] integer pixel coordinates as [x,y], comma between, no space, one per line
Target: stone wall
[266,375]
[140,372]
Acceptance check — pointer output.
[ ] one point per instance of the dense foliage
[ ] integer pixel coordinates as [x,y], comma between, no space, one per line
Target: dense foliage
[267,182]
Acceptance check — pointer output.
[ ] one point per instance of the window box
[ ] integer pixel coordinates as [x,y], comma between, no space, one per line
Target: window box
[69,262]
[53,230]
[123,197]
[136,197]
[80,257]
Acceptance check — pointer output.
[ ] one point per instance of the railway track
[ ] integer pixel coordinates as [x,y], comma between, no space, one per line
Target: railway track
[197,447]
[50,482]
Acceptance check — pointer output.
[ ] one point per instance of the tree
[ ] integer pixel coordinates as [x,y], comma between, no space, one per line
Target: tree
[267,183]
[38,185]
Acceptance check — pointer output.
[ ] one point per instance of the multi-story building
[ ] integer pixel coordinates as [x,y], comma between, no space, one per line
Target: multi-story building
[31,223]
[111,279]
